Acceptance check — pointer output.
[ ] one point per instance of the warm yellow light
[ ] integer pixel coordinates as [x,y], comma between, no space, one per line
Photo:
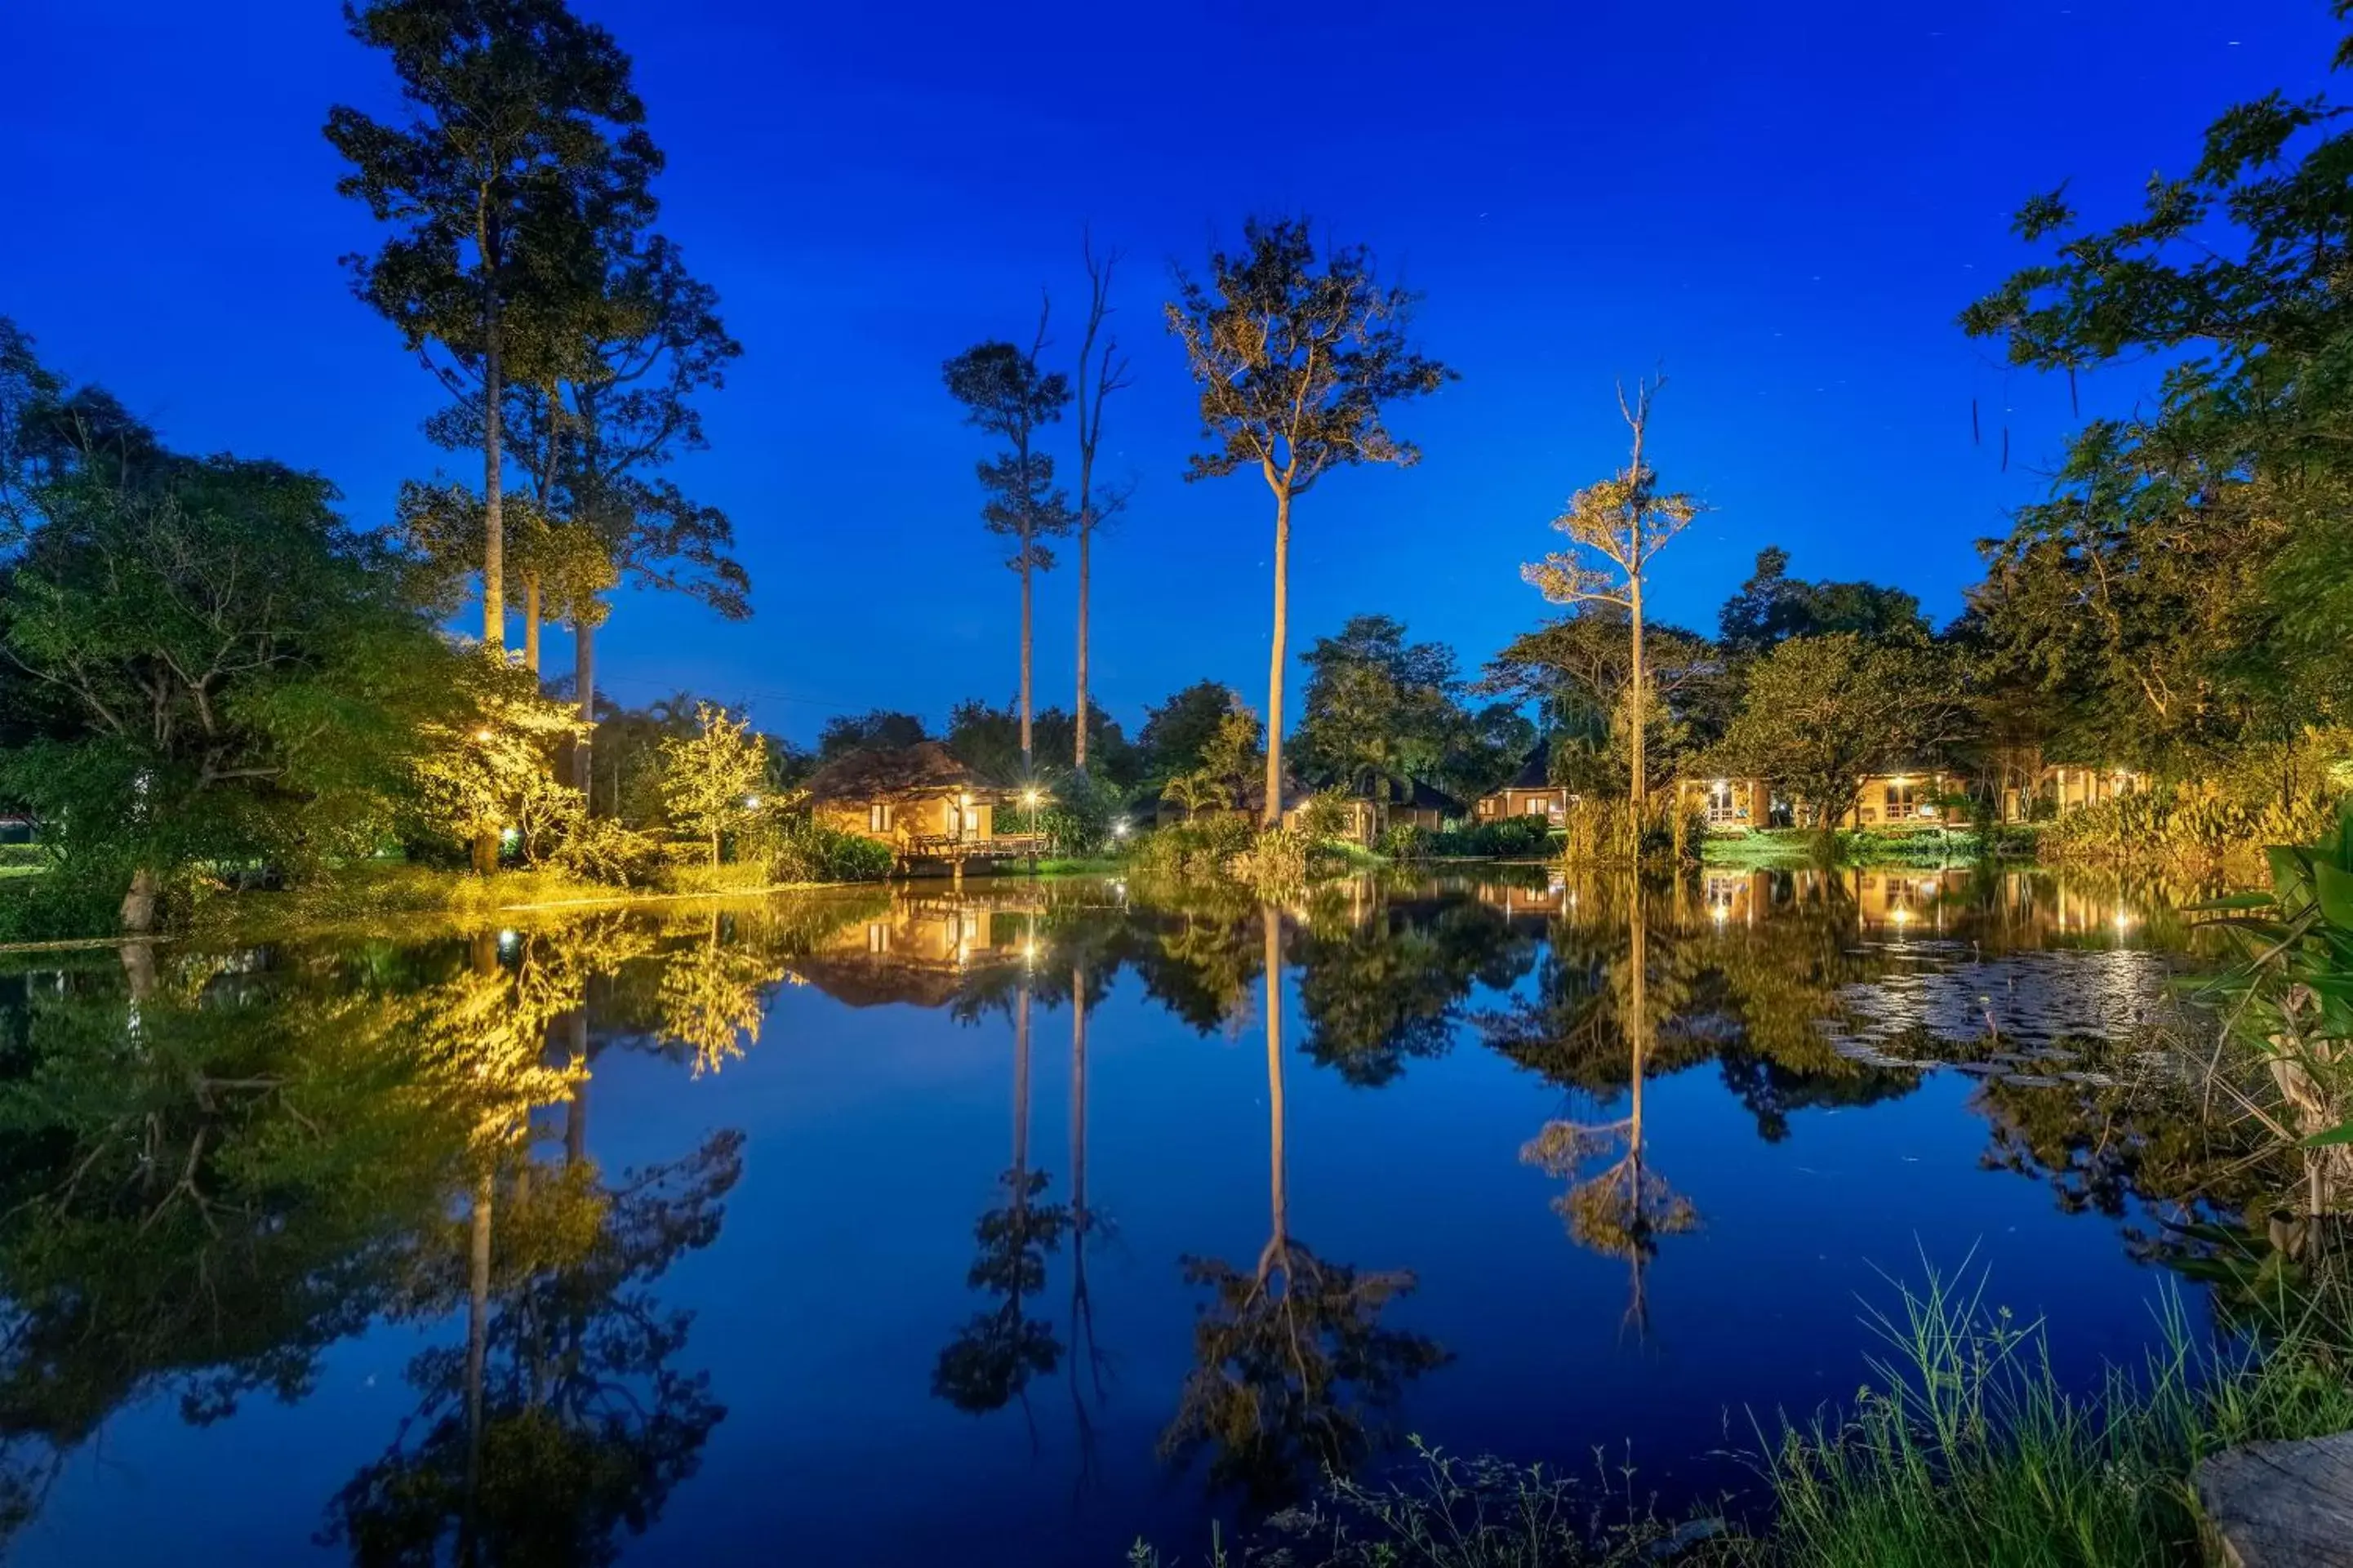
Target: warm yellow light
[481,734]
[1903,917]
[1029,798]
[751,803]
[1900,780]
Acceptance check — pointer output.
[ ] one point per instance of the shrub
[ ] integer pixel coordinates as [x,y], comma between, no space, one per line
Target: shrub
[1404,841]
[1503,838]
[1198,849]
[599,850]
[810,851]
[1276,861]
[58,907]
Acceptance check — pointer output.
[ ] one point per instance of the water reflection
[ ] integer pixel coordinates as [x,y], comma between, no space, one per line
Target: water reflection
[220,1167]
[1292,1361]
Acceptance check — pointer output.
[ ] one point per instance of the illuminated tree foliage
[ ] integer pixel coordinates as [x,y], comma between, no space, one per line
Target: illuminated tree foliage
[522,142]
[712,999]
[200,659]
[1622,522]
[711,778]
[1821,712]
[1298,355]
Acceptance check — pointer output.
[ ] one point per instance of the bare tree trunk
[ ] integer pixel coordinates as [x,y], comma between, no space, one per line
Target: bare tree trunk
[584,676]
[478,1343]
[138,912]
[1026,772]
[494,581]
[531,622]
[1272,815]
[575,1104]
[1278,1171]
[1642,791]
[1086,534]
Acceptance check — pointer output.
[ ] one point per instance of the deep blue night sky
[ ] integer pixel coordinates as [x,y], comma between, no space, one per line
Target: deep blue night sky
[1786,205]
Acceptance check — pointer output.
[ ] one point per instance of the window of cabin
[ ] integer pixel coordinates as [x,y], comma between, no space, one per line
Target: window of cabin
[1721,806]
[1540,807]
[880,816]
[1903,799]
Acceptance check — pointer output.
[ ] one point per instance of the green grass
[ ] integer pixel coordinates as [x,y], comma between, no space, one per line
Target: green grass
[1791,847]
[1963,1449]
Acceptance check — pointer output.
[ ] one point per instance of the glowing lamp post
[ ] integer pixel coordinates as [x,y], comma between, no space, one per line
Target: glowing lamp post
[1030,799]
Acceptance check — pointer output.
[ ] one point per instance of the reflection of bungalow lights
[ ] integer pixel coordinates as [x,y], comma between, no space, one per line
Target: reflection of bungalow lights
[1902,917]
[2124,920]
[1721,911]
[1029,953]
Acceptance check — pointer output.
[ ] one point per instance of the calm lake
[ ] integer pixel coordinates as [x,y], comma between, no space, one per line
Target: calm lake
[1006,1224]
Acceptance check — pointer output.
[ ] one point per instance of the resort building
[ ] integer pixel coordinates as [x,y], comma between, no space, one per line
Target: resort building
[1904,800]
[1531,793]
[1730,805]
[925,804]
[2062,787]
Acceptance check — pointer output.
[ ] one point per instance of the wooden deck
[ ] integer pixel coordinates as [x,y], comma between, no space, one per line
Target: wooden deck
[958,850]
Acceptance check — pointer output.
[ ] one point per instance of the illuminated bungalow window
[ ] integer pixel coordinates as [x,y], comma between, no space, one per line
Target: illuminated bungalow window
[880,816]
[1903,798]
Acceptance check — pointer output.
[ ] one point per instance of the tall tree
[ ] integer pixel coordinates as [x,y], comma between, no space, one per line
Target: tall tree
[617,424]
[1624,522]
[1096,502]
[1773,606]
[199,660]
[2185,584]
[1298,355]
[879,729]
[520,120]
[1179,730]
[1820,713]
[1379,708]
[1005,393]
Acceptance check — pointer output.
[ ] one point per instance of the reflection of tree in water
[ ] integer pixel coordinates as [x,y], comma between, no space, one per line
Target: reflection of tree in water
[1381,984]
[992,1357]
[1292,1358]
[712,997]
[562,1420]
[204,1187]
[1622,1210]
[1087,1359]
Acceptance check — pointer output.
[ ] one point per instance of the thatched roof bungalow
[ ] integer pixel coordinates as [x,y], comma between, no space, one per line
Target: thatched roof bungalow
[923,801]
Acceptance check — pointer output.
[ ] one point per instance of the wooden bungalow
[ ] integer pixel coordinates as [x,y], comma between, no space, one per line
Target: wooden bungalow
[1361,823]
[1414,804]
[1904,800]
[2062,787]
[1730,805]
[921,950]
[1531,793]
[924,803]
